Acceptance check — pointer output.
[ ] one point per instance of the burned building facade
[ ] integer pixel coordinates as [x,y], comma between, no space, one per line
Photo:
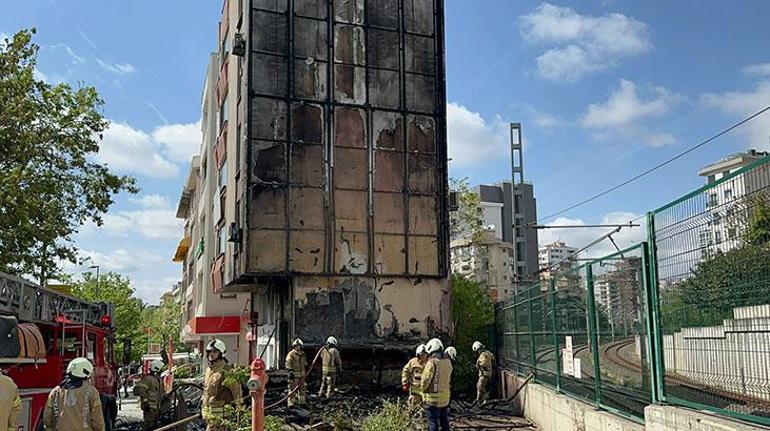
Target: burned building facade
[340,215]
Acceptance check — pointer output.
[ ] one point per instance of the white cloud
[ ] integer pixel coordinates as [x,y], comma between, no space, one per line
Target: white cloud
[119,260]
[540,118]
[757,69]
[127,149]
[741,104]
[151,223]
[581,44]
[150,291]
[624,111]
[119,68]
[151,201]
[181,141]
[472,139]
[76,59]
[580,237]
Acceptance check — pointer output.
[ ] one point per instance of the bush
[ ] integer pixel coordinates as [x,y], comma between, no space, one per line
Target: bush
[392,416]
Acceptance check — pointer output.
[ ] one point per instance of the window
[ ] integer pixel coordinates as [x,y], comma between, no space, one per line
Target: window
[222,177]
[712,178]
[221,239]
[728,194]
[91,346]
[224,112]
[712,200]
[718,237]
[238,138]
[225,49]
[731,233]
[725,173]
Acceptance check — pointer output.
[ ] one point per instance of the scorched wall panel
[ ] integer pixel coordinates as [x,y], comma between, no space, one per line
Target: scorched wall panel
[347,139]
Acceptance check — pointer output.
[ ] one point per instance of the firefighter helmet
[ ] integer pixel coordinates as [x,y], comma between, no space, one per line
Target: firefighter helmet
[80,367]
[451,352]
[218,345]
[156,366]
[332,341]
[477,346]
[298,342]
[420,350]
[434,345]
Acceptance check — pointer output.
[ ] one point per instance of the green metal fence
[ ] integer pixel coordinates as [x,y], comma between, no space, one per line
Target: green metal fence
[701,288]
[712,279]
[583,332]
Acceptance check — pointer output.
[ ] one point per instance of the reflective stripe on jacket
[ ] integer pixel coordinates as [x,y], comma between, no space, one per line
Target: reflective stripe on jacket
[74,409]
[331,360]
[411,375]
[436,382]
[150,392]
[296,361]
[215,394]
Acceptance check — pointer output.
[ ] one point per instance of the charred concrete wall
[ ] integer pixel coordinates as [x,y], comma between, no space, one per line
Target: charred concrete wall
[346,166]
[347,149]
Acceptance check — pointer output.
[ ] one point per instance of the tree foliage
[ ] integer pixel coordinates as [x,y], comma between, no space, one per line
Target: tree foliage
[474,315]
[467,221]
[49,184]
[164,322]
[116,289]
[735,278]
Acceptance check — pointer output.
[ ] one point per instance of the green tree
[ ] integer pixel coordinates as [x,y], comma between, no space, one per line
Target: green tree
[467,221]
[116,289]
[474,316]
[49,183]
[164,321]
[758,230]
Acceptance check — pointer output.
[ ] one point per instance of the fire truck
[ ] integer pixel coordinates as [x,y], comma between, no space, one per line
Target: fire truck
[69,328]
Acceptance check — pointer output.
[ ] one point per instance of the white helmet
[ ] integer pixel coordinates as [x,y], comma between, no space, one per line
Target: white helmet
[217,344]
[477,345]
[332,341]
[420,350]
[156,366]
[451,352]
[298,342]
[434,345]
[80,367]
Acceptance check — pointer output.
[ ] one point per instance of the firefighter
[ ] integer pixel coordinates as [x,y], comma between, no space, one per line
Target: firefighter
[75,403]
[216,395]
[485,365]
[436,383]
[411,374]
[10,403]
[296,364]
[150,392]
[331,365]
[451,353]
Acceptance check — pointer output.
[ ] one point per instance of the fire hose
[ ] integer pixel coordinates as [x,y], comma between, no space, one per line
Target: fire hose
[293,390]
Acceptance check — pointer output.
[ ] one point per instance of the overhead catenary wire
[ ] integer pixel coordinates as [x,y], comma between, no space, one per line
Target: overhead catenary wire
[654,168]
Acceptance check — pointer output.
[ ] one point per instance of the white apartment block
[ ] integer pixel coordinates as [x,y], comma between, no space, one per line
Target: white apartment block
[549,255]
[489,262]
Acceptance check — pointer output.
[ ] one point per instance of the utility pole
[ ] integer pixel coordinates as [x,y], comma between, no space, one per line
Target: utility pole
[98,293]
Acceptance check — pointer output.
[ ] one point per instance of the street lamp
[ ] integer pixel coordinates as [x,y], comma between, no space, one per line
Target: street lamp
[97,278]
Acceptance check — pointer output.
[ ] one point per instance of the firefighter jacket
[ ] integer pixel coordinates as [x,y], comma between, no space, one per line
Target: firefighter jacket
[411,375]
[150,392]
[73,406]
[331,360]
[485,363]
[296,363]
[436,381]
[10,404]
[216,394]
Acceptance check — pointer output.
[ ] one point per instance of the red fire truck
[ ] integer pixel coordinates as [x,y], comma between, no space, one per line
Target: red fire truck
[70,328]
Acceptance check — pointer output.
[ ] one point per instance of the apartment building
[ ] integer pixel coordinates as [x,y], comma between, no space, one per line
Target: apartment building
[489,261]
[508,213]
[208,312]
[722,230]
[321,191]
[555,256]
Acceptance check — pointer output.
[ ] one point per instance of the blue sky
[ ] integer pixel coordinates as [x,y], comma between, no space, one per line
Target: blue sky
[603,89]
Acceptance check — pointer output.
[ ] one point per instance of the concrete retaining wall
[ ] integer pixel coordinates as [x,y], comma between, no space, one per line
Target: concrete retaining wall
[734,356]
[551,411]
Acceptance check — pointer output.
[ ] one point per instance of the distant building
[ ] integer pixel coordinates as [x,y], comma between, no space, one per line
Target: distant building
[554,256]
[498,202]
[725,215]
[490,261]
